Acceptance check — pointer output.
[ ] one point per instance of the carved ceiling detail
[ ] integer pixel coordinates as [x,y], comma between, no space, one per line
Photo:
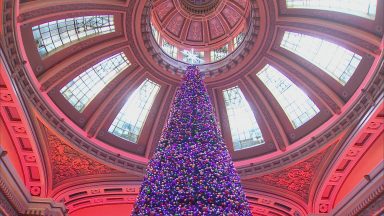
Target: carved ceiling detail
[297,178]
[350,155]
[12,113]
[21,75]
[68,163]
[194,29]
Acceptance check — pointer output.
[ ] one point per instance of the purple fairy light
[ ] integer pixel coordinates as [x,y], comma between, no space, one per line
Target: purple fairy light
[191,172]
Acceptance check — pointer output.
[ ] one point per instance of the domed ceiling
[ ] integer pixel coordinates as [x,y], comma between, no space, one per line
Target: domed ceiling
[286,78]
[281,91]
[200,24]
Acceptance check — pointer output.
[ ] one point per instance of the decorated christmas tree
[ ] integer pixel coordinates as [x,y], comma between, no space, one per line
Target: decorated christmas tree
[191,172]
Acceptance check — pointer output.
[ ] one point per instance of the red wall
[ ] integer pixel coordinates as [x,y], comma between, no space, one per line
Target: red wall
[1,16]
[367,163]
[112,209]
[7,143]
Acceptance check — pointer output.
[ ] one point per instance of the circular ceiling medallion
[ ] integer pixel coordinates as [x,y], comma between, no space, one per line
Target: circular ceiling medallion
[201,24]
[199,7]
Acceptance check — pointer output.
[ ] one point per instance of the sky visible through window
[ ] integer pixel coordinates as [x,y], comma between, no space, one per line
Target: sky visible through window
[296,104]
[333,59]
[244,128]
[83,88]
[362,8]
[131,118]
[55,34]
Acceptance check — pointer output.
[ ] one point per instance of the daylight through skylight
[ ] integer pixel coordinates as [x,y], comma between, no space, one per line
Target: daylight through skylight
[55,34]
[333,59]
[83,88]
[362,8]
[295,103]
[244,128]
[130,120]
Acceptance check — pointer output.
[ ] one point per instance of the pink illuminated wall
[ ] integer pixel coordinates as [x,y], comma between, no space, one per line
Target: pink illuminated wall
[1,18]
[114,210]
[5,138]
[367,163]
[7,144]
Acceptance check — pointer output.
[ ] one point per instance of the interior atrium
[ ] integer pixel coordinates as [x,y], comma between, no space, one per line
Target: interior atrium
[297,89]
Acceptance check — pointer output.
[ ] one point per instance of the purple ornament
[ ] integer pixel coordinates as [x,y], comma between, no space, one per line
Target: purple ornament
[191,172]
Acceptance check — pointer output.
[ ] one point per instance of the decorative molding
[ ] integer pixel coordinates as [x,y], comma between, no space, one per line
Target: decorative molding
[6,207]
[374,204]
[367,198]
[23,82]
[10,197]
[98,193]
[262,203]
[67,163]
[15,199]
[348,156]
[21,77]
[13,113]
[297,178]
[117,192]
[60,8]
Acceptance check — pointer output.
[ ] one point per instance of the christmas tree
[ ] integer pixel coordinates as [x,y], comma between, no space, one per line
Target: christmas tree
[191,172]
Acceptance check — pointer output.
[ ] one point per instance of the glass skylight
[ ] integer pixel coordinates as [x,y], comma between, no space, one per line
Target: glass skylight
[83,88]
[53,35]
[130,120]
[244,128]
[219,54]
[196,56]
[170,49]
[238,39]
[296,104]
[333,59]
[155,33]
[192,57]
[362,8]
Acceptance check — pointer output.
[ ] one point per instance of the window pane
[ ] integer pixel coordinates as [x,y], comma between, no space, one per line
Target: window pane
[244,128]
[130,120]
[296,104]
[219,54]
[192,57]
[155,33]
[362,8]
[82,89]
[170,49]
[53,35]
[238,39]
[333,59]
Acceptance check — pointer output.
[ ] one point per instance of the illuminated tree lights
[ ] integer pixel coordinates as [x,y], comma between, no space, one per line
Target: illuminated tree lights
[191,172]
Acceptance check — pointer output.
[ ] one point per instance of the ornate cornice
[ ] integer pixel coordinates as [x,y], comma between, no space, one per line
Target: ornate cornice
[15,117]
[98,193]
[262,203]
[6,207]
[15,199]
[177,67]
[348,156]
[9,197]
[21,77]
[373,205]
